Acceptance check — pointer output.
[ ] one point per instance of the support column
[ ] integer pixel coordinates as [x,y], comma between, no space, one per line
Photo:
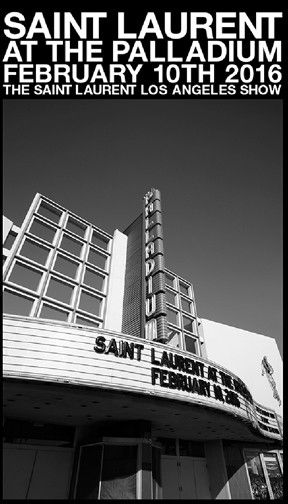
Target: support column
[147,480]
[219,484]
[237,473]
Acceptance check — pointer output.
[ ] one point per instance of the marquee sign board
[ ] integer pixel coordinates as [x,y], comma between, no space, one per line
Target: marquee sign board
[65,353]
[190,377]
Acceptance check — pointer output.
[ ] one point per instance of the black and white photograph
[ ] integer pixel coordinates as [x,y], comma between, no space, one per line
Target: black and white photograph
[142,261]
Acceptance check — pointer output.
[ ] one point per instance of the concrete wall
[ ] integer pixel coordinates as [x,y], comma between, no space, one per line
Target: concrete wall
[133,309]
[114,304]
[242,352]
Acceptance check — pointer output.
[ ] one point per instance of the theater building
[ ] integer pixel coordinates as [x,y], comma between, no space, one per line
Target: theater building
[114,388]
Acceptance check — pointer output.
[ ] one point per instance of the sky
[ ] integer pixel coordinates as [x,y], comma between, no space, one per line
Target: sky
[218,165]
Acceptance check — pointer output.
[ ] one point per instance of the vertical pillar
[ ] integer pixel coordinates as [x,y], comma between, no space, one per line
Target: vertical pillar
[114,305]
[236,469]
[133,312]
[219,484]
[147,480]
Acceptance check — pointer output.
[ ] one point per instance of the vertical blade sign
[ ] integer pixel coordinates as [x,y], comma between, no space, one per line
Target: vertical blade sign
[155,299]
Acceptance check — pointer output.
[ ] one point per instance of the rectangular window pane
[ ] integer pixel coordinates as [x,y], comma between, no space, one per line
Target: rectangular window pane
[186,305]
[275,475]
[15,304]
[43,231]
[90,303]
[184,288]
[94,279]
[170,280]
[119,472]
[173,338]
[188,324]
[49,211]
[97,258]
[66,266]
[190,344]
[10,240]
[256,475]
[172,316]
[73,246]
[76,227]
[88,322]
[171,297]
[59,290]
[25,276]
[50,312]
[35,251]
[100,240]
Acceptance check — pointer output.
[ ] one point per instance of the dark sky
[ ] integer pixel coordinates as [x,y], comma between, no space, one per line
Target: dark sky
[218,164]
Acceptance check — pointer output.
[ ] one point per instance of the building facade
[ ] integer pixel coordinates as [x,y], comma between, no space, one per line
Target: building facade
[113,385]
